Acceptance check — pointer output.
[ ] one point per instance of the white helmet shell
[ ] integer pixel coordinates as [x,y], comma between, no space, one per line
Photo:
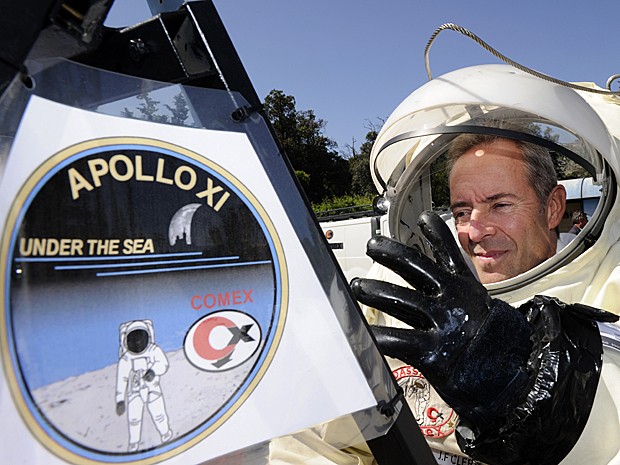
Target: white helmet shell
[498,86]
[584,126]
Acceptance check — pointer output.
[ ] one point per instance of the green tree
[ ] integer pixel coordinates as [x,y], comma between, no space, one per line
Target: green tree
[149,108]
[565,168]
[348,203]
[320,169]
[440,188]
[359,165]
[362,190]
[180,111]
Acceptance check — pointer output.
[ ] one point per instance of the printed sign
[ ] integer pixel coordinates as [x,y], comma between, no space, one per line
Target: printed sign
[154,310]
[143,282]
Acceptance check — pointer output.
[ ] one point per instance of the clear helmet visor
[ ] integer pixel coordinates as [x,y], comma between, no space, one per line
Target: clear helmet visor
[410,166]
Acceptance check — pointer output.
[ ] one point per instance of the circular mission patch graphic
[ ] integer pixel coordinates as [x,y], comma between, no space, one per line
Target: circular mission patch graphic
[145,293]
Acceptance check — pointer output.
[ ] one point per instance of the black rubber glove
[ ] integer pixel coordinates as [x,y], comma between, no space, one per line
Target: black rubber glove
[488,360]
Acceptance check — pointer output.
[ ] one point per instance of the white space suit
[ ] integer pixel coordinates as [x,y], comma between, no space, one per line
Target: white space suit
[588,124]
[141,364]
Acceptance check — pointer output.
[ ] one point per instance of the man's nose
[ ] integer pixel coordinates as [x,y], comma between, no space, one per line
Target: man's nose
[479,227]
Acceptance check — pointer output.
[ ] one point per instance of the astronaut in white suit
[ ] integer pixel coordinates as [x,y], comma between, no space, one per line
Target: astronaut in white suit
[575,125]
[140,366]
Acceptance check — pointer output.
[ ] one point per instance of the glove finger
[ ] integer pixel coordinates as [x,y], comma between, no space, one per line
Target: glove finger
[415,268]
[405,304]
[445,249]
[406,345]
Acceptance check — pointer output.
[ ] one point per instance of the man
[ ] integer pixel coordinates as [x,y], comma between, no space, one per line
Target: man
[506,204]
[502,247]
[579,222]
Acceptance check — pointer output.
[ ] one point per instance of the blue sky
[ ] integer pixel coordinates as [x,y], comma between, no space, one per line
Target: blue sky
[353,61]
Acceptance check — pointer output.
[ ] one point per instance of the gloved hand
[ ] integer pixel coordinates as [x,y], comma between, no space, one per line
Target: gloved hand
[120,408]
[494,364]
[149,375]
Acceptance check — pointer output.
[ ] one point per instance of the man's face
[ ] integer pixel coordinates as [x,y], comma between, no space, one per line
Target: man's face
[499,219]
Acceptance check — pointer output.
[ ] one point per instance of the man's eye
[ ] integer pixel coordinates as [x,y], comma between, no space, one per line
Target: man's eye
[500,206]
[460,216]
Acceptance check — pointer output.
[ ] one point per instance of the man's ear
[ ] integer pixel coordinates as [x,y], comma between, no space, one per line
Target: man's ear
[556,205]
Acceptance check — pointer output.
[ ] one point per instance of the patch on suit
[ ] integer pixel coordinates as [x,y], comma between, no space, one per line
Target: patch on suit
[436,418]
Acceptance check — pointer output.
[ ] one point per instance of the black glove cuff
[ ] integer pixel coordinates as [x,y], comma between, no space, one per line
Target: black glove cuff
[491,373]
[564,369]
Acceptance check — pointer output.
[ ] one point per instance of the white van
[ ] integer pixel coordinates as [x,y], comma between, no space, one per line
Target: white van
[348,238]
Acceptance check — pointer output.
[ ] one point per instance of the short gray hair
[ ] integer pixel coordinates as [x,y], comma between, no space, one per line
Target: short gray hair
[538,164]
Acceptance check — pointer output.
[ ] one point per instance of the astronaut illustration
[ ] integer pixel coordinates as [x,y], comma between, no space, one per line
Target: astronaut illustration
[417,391]
[141,363]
